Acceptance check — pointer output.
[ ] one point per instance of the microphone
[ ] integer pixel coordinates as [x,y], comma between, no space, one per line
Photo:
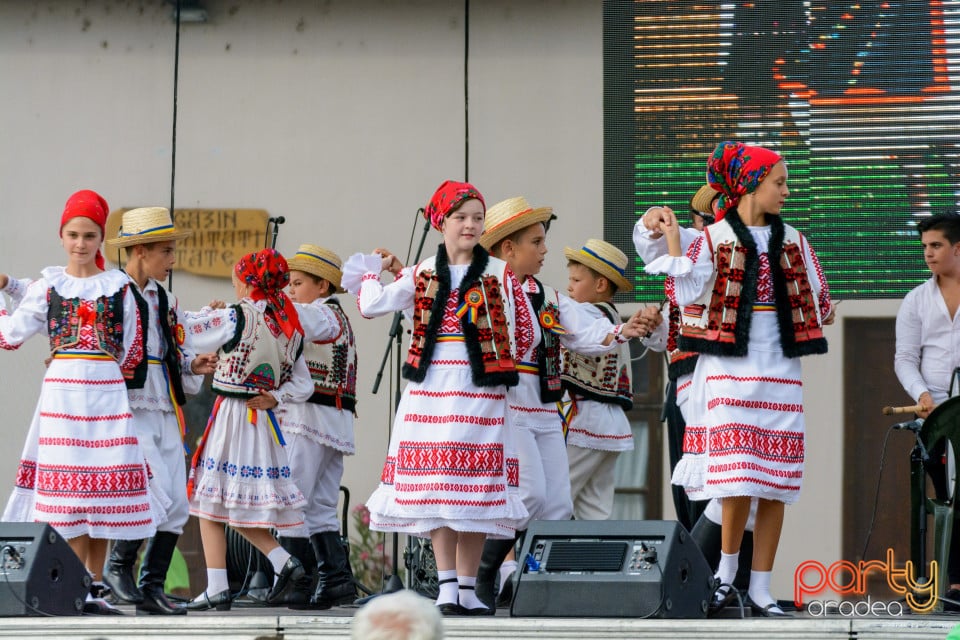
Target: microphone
[910,425]
[277,220]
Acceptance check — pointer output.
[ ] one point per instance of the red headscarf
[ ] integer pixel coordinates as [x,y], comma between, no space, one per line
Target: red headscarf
[87,204]
[267,272]
[736,169]
[448,197]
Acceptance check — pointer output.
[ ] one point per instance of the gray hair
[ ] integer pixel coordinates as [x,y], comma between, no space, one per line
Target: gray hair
[403,615]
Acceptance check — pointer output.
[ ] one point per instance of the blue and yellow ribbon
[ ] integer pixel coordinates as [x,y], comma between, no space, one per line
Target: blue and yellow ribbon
[274,424]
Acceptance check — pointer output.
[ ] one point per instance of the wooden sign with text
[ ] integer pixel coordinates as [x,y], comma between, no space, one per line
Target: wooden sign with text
[220,238]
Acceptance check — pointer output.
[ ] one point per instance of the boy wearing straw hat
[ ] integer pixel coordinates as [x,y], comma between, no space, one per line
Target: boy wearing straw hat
[156,395]
[515,232]
[319,432]
[599,388]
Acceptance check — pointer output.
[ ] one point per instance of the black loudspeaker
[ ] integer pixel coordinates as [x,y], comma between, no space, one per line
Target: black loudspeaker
[39,572]
[612,569]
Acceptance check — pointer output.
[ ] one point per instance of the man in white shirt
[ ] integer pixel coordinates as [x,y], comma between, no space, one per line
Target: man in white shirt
[928,340]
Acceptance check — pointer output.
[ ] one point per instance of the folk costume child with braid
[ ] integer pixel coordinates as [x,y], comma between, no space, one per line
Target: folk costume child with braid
[83,470]
[599,389]
[754,300]
[450,472]
[319,432]
[148,238]
[240,474]
[545,321]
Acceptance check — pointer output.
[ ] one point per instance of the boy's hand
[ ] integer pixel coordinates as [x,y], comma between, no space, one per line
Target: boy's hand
[652,219]
[389,261]
[203,364]
[262,402]
[217,304]
[651,317]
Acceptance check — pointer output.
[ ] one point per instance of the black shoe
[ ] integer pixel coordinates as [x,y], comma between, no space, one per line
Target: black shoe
[335,583]
[451,609]
[771,610]
[219,601]
[119,572]
[505,597]
[479,611]
[155,602]
[494,552]
[100,607]
[724,596]
[292,571]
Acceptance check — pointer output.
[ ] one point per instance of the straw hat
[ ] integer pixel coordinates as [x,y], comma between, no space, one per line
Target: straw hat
[605,259]
[703,199]
[146,225]
[508,216]
[320,262]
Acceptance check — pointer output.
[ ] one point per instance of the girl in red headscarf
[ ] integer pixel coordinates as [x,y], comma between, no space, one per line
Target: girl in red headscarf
[449,473]
[240,473]
[82,469]
[754,300]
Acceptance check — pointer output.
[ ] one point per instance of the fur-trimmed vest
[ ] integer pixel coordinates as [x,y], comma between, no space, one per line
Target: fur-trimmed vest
[258,357]
[546,307]
[605,378]
[333,365]
[487,338]
[171,332]
[63,322]
[719,322]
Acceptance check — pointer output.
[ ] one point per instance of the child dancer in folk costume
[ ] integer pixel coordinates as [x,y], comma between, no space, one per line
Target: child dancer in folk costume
[516,232]
[754,300]
[149,239]
[449,471]
[319,432]
[599,388]
[240,474]
[82,469]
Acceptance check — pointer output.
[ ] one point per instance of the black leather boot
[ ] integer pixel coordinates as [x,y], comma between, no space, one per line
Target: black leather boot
[119,573]
[153,574]
[299,595]
[494,553]
[335,583]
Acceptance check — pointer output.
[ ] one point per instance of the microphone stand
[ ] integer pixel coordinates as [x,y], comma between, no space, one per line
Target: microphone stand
[394,344]
[919,457]
[273,223]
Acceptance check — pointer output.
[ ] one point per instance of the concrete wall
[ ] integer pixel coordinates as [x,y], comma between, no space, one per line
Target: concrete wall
[341,116]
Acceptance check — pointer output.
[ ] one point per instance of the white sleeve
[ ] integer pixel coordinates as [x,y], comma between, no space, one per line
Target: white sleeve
[192,383]
[134,342]
[909,338]
[319,322]
[209,329]
[298,388]
[17,288]
[28,319]
[586,327]
[376,299]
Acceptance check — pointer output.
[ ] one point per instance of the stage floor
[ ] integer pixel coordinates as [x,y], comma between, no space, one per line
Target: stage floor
[285,624]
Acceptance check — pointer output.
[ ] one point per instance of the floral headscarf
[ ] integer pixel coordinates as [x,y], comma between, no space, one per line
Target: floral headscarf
[87,204]
[267,272]
[448,197]
[736,169]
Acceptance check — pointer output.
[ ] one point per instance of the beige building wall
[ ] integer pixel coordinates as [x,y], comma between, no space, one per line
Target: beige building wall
[341,116]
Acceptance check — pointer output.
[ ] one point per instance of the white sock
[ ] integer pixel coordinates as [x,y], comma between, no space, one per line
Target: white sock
[448,587]
[278,557]
[760,588]
[506,569]
[216,581]
[468,593]
[729,563]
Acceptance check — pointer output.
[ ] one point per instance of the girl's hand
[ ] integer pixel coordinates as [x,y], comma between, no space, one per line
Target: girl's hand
[652,219]
[203,364]
[262,402]
[671,229]
[217,304]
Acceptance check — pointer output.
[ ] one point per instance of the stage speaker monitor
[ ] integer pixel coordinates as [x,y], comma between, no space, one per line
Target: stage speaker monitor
[611,569]
[39,572]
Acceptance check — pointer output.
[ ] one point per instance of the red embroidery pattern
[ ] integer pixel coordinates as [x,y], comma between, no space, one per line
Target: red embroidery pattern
[750,466]
[755,404]
[450,322]
[513,472]
[3,341]
[600,435]
[457,394]
[389,468]
[143,507]
[764,280]
[524,332]
[749,480]
[450,458]
[522,409]
[763,443]
[694,439]
[451,363]
[89,444]
[459,419]
[455,503]
[684,385]
[26,474]
[793,381]
[104,482]
[67,416]
[451,486]
[83,381]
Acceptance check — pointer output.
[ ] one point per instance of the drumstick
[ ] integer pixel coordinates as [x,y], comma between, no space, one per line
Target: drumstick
[889,411]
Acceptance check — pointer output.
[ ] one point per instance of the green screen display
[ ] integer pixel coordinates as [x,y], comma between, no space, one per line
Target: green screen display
[861,98]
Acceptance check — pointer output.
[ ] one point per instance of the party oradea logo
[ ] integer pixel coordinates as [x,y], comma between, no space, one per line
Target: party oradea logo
[812,580]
